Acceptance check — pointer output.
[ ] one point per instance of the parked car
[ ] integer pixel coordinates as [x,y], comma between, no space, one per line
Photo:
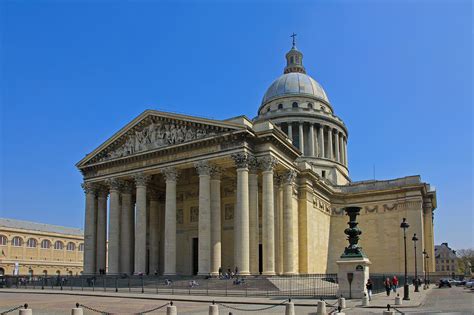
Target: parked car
[454,281]
[470,284]
[444,283]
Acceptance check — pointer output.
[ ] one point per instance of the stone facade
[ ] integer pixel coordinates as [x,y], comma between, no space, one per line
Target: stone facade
[189,195]
[446,260]
[40,249]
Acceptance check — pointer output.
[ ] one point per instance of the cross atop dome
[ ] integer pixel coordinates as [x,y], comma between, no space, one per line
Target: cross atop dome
[294,59]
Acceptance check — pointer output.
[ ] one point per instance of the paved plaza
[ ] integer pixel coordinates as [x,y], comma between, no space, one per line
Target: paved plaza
[434,301]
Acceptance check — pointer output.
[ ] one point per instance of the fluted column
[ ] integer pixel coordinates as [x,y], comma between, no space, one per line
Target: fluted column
[141,181]
[346,162]
[311,140]
[115,186]
[316,141]
[241,216]
[171,176]
[330,146]
[102,195]
[215,220]
[288,223]
[90,229]
[301,137]
[278,204]
[154,216]
[322,152]
[268,215]
[290,131]
[337,152]
[204,239]
[127,230]
[253,217]
[341,148]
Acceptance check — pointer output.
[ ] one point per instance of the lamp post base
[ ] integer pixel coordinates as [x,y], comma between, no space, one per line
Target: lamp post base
[406,292]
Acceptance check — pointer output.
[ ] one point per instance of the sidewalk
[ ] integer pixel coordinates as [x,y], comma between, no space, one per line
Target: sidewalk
[380,300]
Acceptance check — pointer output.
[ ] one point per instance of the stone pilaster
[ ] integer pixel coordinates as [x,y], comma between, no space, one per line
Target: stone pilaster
[102,195]
[115,185]
[141,182]
[215,220]
[90,229]
[278,215]
[241,215]
[204,263]
[171,177]
[127,230]
[288,223]
[253,216]
[154,197]
[268,215]
[301,137]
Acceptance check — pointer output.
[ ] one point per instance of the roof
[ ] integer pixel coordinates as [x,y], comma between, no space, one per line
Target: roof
[41,227]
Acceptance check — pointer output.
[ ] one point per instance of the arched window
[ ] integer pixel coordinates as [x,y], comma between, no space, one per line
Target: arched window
[295,105]
[323,108]
[3,240]
[31,242]
[17,241]
[45,244]
[58,245]
[268,109]
[280,106]
[58,272]
[70,246]
[81,247]
[310,105]
[45,272]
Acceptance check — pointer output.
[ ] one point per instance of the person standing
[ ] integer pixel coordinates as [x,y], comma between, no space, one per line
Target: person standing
[388,286]
[369,287]
[394,284]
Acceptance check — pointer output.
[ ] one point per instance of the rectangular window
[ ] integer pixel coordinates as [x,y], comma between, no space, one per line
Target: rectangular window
[447,267]
[442,268]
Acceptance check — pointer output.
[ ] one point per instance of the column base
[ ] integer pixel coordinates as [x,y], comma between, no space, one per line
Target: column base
[243,273]
[214,273]
[169,274]
[289,273]
[268,273]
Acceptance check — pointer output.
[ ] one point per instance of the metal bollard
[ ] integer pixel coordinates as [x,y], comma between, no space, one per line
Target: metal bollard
[213,309]
[365,300]
[342,302]
[398,300]
[339,311]
[77,310]
[290,308]
[388,311]
[25,311]
[321,308]
[171,309]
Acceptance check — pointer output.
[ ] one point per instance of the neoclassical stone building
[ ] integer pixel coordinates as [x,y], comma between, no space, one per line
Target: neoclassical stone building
[188,195]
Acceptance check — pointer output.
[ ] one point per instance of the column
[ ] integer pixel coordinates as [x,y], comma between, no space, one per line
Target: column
[311,140]
[241,215]
[301,137]
[345,153]
[331,149]
[171,176]
[127,230]
[316,142]
[141,181]
[90,229]
[115,186]
[290,132]
[278,223]
[204,239]
[321,142]
[268,215]
[102,195]
[288,224]
[154,217]
[253,217]
[337,152]
[341,148]
[215,220]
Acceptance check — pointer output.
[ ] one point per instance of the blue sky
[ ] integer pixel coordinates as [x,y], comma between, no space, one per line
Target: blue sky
[399,73]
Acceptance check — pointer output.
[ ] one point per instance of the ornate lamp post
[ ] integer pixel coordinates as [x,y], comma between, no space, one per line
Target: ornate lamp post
[404,225]
[424,269]
[353,232]
[427,271]
[414,239]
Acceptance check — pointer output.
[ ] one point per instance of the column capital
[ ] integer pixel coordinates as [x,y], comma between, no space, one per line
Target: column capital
[141,179]
[216,172]
[203,168]
[127,187]
[267,163]
[154,194]
[241,159]
[170,173]
[277,179]
[254,164]
[114,184]
[289,177]
[89,188]
[102,191]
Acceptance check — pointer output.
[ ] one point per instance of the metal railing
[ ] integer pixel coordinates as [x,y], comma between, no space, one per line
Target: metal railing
[378,281]
[323,286]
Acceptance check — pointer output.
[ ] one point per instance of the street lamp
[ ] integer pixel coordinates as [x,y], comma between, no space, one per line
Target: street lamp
[404,225]
[414,239]
[424,268]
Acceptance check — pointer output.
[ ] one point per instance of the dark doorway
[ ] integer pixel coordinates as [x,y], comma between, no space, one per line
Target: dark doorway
[195,255]
[260,258]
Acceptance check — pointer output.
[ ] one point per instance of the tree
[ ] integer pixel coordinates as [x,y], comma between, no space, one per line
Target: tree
[465,260]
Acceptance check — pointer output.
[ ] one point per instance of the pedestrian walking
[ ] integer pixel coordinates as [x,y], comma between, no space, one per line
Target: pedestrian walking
[388,286]
[394,284]
[369,287]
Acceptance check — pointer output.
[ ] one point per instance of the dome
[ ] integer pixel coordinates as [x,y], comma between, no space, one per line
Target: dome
[294,83]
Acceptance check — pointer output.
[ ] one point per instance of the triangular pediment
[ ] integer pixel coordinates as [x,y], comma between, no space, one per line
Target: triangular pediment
[153,130]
